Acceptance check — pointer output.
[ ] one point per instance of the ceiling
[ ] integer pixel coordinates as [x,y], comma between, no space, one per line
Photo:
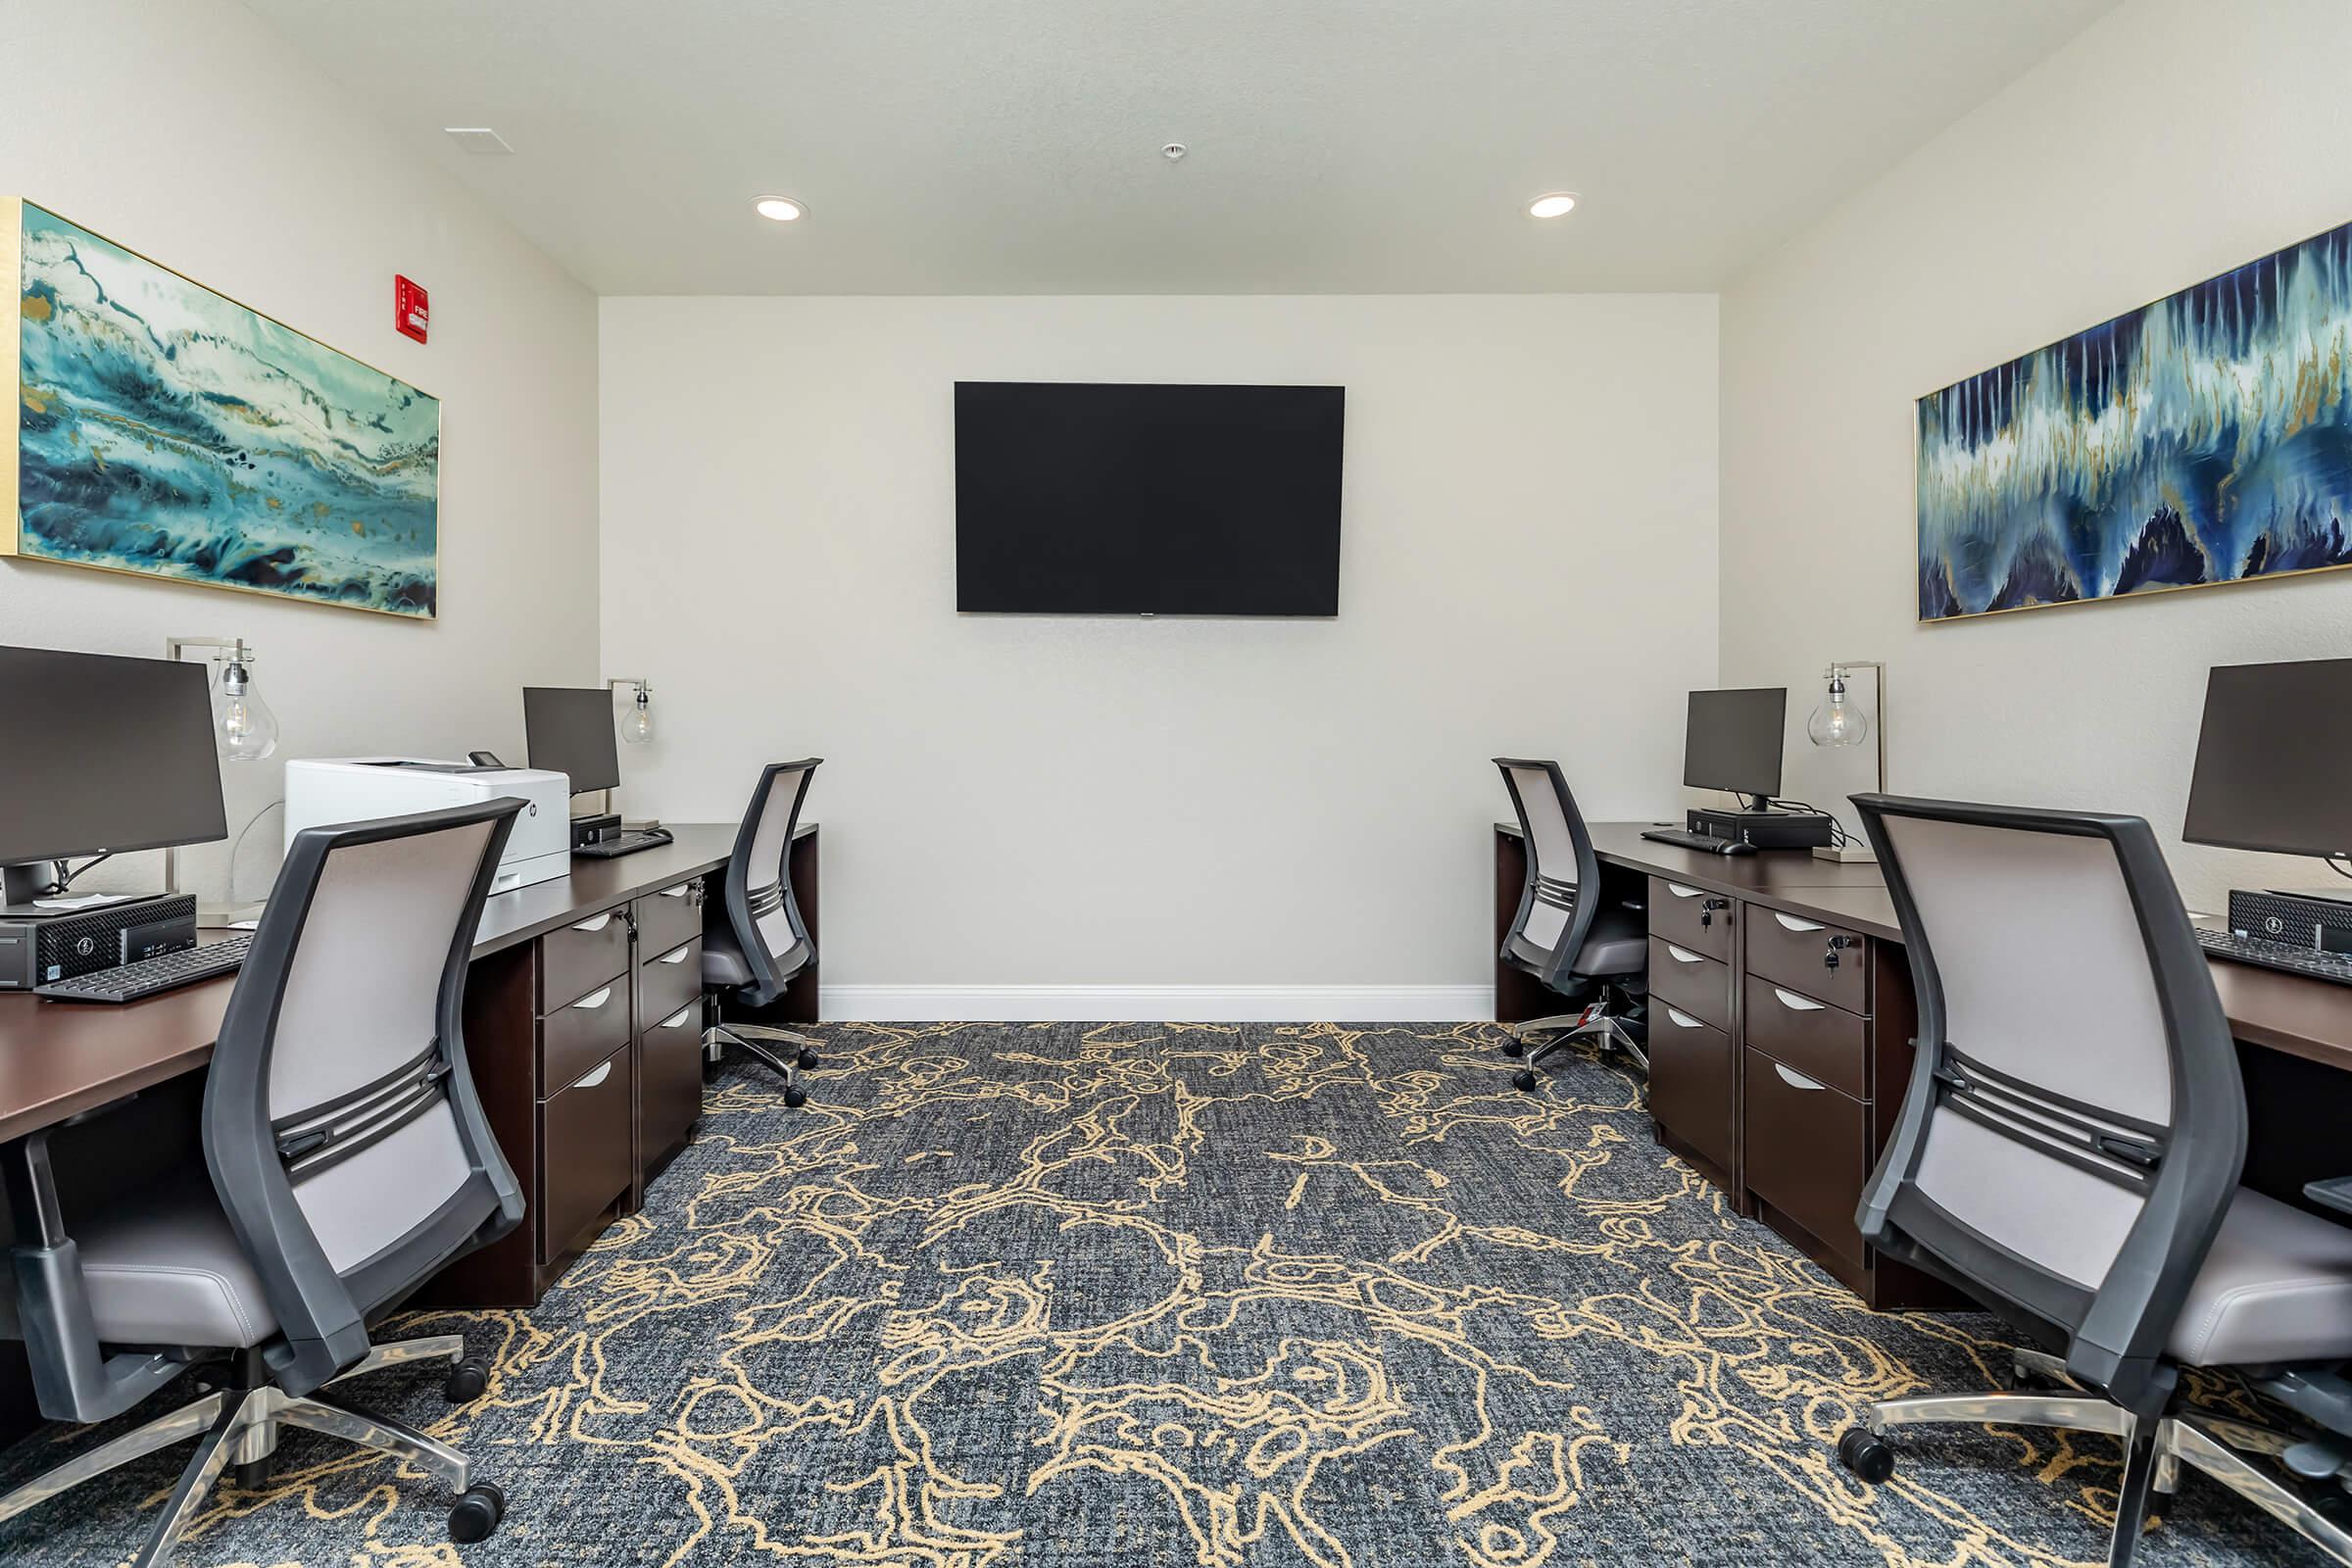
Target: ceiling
[1014,146]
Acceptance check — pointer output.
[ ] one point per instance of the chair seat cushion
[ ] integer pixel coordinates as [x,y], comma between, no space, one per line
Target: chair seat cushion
[1618,943]
[723,963]
[166,1269]
[724,966]
[2276,1286]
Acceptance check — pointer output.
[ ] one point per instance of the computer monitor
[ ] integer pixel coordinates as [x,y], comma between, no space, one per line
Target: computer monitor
[569,730]
[103,755]
[1732,741]
[2274,757]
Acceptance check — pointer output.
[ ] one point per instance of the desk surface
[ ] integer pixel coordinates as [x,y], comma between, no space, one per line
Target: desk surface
[2289,1012]
[60,1059]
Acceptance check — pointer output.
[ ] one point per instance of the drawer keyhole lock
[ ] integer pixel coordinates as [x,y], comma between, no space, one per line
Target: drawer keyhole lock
[1830,949]
[1706,912]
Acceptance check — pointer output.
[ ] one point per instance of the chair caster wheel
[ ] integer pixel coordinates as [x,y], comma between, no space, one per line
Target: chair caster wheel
[806,1060]
[477,1512]
[1514,1048]
[1862,1451]
[253,1477]
[468,1381]
[1524,1080]
[710,1069]
[795,1095]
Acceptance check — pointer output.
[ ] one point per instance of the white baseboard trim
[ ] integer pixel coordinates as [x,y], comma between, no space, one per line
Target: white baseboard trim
[1156,1004]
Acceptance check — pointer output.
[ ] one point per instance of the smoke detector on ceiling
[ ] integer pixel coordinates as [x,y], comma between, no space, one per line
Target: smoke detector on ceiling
[479,140]
[1174,150]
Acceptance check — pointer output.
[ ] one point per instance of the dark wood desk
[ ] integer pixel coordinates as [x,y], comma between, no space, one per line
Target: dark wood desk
[59,1060]
[1728,986]
[582,1033]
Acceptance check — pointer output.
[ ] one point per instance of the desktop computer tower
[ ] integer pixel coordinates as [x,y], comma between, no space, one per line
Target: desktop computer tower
[1763,830]
[40,946]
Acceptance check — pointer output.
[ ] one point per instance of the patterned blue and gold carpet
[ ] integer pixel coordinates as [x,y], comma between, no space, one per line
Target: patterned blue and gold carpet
[1060,1294]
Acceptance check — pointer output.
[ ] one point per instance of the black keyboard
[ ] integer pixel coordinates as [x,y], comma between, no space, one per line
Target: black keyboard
[626,842]
[168,971]
[1704,843]
[2336,967]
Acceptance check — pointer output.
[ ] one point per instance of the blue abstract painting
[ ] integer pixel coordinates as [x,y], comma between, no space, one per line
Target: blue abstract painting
[2206,438]
[168,431]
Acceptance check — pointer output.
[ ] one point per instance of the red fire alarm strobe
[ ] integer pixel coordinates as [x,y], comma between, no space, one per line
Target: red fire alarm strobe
[408,311]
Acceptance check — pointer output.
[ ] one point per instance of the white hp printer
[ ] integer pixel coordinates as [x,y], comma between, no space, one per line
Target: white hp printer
[355,789]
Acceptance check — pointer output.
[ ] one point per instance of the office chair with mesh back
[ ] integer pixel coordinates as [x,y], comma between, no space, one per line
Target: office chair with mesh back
[349,1160]
[1567,933]
[754,940]
[2068,1150]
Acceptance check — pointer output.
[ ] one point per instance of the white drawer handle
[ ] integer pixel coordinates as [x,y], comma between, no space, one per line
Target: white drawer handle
[597,924]
[593,1000]
[1682,892]
[1797,1003]
[1790,922]
[677,1018]
[1796,1080]
[1679,956]
[678,957]
[1683,1020]
[677,892]
[604,1071]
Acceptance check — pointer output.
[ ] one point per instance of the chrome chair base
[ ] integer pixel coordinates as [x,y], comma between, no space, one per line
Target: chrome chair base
[758,1041]
[241,1426]
[1596,1022]
[2154,1449]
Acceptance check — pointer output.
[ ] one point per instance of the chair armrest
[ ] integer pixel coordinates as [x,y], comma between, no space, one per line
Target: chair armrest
[2334,1193]
[72,1377]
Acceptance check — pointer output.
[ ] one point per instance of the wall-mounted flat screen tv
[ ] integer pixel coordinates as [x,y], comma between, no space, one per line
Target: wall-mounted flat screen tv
[1117,498]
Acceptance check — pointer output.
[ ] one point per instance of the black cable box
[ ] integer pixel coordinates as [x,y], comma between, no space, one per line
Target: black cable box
[40,946]
[2314,920]
[1763,830]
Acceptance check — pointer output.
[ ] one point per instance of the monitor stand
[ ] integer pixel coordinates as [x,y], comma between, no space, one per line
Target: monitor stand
[22,884]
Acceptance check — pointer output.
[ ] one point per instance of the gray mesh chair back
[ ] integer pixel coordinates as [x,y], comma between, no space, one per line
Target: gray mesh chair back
[1549,931]
[2074,1128]
[760,912]
[340,1122]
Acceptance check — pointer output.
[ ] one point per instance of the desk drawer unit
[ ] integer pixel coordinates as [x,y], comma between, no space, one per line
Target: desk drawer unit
[587,1152]
[1807,1149]
[668,982]
[671,917]
[1817,961]
[1822,1042]
[1692,981]
[1694,1083]
[1692,917]
[575,1038]
[576,958]
[670,1063]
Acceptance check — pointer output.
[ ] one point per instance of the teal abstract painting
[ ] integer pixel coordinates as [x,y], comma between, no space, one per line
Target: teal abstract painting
[2206,438]
[168,431]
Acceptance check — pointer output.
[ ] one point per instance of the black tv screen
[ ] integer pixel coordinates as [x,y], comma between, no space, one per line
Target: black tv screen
[1149,500]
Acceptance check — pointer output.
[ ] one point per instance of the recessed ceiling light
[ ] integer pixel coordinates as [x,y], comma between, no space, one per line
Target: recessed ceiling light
[783,209]
[1553,204]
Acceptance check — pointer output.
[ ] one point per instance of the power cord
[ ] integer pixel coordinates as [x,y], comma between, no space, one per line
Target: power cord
[65,879]
[1839,838]
[240,844]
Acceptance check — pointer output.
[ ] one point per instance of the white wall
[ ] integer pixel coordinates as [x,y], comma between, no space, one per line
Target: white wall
[1528,564]
[190,133]
[2170,141]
